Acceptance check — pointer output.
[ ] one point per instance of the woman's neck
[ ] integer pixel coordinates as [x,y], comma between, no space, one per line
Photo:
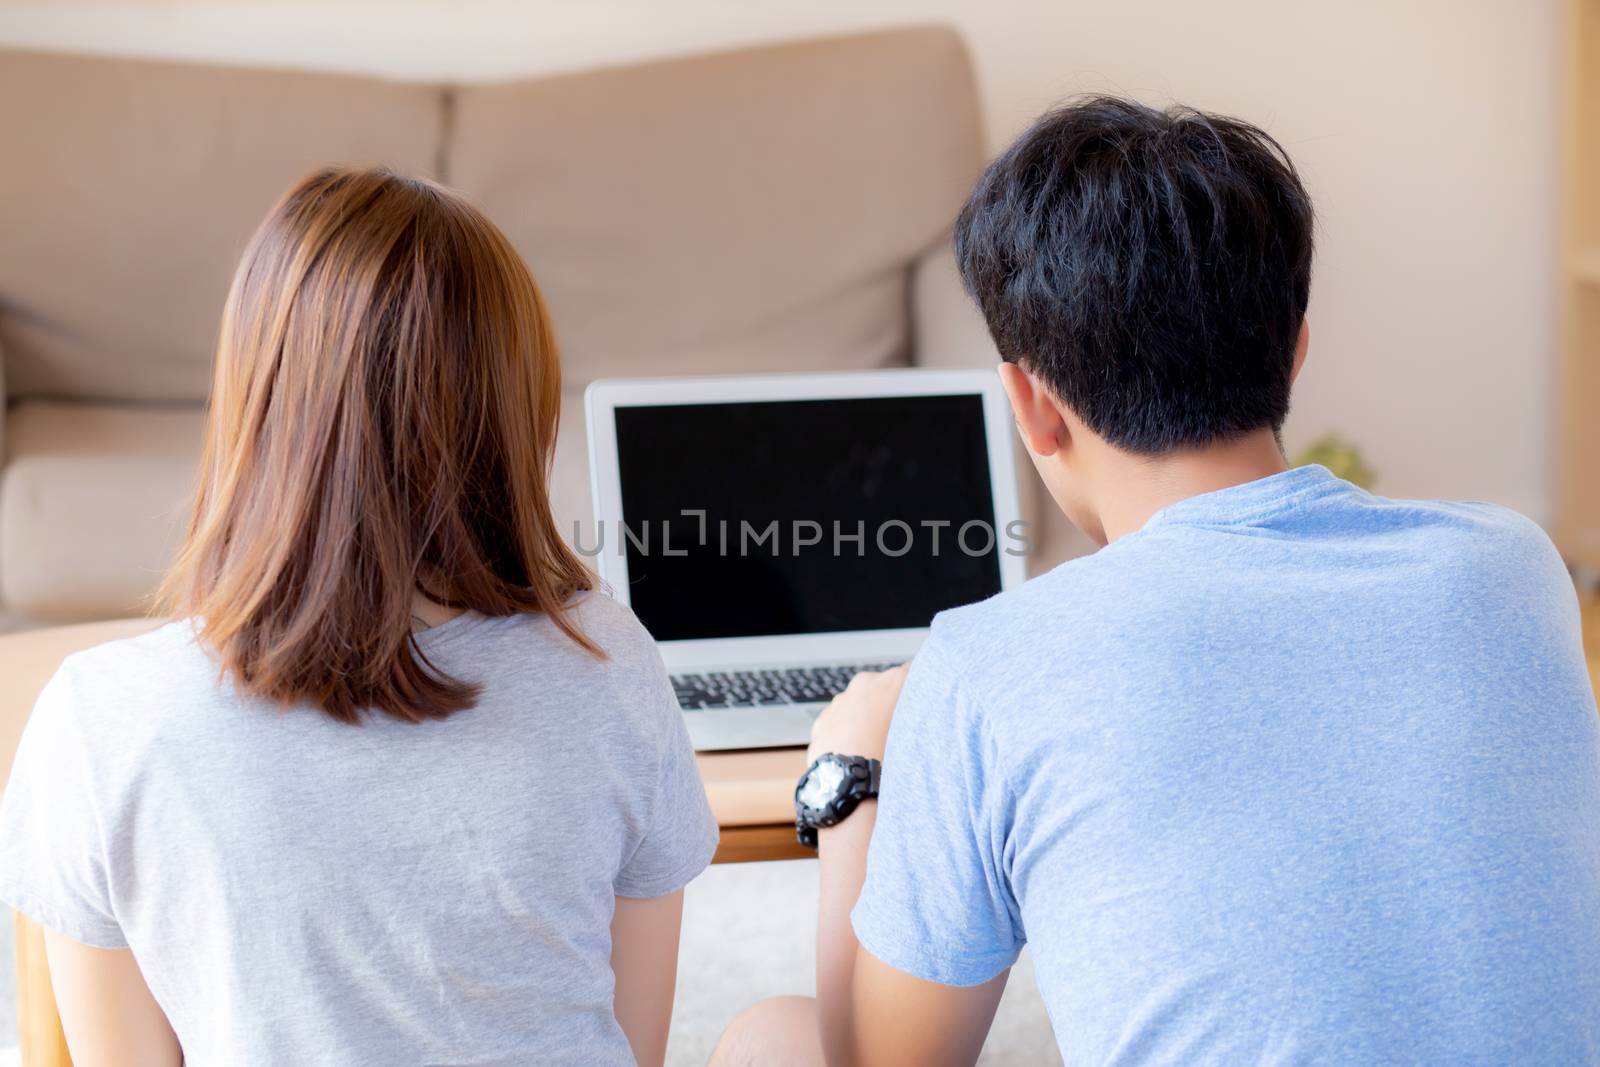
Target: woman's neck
[425,614]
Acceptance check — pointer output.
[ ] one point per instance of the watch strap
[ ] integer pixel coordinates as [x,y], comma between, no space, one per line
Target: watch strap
[863,777]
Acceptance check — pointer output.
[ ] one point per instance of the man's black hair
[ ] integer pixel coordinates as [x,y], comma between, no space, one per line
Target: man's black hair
[1152,267]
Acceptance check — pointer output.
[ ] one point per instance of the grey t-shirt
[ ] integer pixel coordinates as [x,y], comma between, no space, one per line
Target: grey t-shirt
[299,891]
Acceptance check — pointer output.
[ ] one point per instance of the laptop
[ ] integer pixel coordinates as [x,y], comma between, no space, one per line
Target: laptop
[778,533]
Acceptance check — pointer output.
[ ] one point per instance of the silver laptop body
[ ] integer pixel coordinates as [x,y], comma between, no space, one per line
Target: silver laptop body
[776,533]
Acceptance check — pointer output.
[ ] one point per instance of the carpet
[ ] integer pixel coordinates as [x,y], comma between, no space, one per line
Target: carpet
[749,932]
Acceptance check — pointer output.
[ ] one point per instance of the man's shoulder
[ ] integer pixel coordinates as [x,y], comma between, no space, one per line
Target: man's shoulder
[1478,541]
[996,637]
[1507,527]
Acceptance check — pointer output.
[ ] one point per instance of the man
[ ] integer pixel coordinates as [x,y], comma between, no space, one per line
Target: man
[1285,773]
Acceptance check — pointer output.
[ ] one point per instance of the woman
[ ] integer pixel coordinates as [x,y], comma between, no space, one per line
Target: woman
[403,787]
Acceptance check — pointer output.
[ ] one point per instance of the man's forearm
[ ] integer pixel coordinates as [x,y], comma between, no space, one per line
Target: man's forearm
[842,854]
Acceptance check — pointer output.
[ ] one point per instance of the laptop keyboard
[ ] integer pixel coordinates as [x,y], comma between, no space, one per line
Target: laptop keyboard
[735,689]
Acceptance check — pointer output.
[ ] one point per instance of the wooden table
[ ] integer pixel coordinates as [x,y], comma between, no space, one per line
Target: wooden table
[752,796]
[751,793]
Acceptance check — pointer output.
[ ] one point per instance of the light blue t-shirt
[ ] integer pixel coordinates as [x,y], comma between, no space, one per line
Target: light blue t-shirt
[1293,774]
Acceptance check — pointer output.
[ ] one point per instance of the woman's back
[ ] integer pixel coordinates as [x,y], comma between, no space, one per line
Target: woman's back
[298,890]
[307,832]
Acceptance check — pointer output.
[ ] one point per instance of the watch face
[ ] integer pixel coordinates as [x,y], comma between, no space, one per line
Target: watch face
[821,785]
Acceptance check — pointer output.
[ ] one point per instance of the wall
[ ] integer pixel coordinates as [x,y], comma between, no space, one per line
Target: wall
[1426,130]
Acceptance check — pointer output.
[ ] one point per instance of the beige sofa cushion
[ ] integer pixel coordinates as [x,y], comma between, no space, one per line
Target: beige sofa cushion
[91,504]
[749,211]
[130,188]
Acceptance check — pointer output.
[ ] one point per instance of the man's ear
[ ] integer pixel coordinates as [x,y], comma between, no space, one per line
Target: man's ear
[1302,345]
[1038,420]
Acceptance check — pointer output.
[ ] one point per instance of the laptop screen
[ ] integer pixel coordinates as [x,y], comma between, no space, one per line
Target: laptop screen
[756,519]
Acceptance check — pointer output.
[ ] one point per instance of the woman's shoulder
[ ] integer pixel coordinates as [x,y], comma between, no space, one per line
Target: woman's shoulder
[117,694]
[595,613]
[165,655]
[626,648]
[612,625]
[531,659]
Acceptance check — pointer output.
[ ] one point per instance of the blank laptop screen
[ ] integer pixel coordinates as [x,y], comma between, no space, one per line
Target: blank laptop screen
[818,515]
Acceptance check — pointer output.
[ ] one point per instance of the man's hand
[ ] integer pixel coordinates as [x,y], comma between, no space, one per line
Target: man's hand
[857,722]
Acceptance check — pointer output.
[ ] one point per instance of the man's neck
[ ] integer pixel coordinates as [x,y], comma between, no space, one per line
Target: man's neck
[1143,485]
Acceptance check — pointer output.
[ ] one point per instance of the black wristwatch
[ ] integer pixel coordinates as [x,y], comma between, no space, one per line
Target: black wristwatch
[830,790]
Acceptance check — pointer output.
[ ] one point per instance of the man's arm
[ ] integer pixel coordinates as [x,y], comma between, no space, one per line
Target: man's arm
[869,1012]
[107,1012]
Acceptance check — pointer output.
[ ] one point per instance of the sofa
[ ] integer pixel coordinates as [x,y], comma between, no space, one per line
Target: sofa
[776,208]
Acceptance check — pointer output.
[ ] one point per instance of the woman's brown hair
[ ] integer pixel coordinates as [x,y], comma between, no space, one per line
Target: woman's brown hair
[382,419]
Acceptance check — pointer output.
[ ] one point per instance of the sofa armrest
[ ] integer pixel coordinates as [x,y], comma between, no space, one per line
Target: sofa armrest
[4,401]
